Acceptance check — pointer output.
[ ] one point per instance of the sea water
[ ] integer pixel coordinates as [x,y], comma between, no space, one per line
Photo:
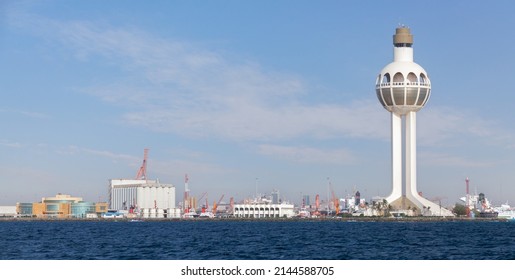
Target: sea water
[256,240]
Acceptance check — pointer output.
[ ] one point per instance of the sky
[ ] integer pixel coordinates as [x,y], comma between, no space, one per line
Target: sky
[250,95]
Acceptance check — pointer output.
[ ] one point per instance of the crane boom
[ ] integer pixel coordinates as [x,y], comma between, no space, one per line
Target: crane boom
[335,200]
[142,172]
[215,205]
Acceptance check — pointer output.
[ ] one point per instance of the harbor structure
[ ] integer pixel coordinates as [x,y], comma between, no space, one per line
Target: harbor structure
[263,207]
[61,206]
[7,211]
[141,197]
[263,210]
[149,198]
[403,88]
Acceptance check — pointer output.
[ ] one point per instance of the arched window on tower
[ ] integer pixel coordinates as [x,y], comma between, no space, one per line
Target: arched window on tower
[412,89]
[398,88]
[386,79]
[412,78]
[398,78]
[423,79]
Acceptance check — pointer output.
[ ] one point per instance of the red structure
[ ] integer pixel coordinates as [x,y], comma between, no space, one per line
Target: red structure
[142,172]
[467,199]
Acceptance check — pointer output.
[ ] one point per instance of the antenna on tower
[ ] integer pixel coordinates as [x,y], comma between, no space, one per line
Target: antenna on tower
[142,173]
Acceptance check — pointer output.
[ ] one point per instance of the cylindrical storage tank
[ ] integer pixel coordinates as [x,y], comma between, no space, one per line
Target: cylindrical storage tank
[166,196]
[171,197]
[172,213]
[160,213]
[152,213]
[139,197]
[153,197]
[146,212]
[160,197]
[148,198]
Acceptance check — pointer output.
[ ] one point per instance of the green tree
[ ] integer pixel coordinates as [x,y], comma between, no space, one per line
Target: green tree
[459,210]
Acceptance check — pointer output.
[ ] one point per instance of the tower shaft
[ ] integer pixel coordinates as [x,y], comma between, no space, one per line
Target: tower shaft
[411,157]
[396,157]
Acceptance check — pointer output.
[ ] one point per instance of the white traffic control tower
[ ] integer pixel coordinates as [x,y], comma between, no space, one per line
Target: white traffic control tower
[403,88]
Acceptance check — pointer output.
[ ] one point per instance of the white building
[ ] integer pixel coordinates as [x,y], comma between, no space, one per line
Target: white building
[7,211]
[262,210]
[149,198]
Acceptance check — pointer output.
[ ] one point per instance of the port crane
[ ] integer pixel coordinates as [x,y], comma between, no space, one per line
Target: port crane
[142,172]
[317,205]
[336,202]
[231,203]
[215,205]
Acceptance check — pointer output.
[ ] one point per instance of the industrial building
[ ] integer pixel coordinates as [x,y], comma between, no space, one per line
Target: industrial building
[141,197]
[61,206]
[148,198]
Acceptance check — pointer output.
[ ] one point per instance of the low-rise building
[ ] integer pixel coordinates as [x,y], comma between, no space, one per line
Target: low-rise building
[61,206]
[7,211]
[263,210]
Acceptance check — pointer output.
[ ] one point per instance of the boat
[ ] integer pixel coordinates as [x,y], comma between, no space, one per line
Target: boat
[509,215]
[209,215]
[505,212]
[304,213]
[190,215]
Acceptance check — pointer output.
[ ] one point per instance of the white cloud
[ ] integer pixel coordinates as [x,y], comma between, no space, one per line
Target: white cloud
[181,89]
[174,86]
[307,154]
[30,114]
[156,167]
[10,144]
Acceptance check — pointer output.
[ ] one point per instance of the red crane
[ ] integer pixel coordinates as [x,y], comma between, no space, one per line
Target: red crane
[215,205]
[335,200]
[317,205]
[142,172]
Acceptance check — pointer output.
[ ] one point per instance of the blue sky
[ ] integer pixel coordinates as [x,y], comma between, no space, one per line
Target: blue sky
[231,91]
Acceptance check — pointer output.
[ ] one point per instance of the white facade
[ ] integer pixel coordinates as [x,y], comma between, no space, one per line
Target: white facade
[7,211]
[263,210]
[403,88]
[141,195]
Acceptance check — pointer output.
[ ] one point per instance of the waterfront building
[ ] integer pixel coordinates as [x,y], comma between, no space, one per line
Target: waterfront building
[7,211]
[403,88]
[61,206]
[263,210]
[145,198]
[305,201]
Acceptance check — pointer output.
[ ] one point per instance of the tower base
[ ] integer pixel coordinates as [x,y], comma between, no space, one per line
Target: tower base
[420,206]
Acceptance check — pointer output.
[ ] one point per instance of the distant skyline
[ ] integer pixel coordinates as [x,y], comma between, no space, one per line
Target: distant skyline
[231,91]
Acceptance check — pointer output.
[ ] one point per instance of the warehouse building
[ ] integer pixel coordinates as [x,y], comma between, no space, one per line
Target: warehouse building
[146,198]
